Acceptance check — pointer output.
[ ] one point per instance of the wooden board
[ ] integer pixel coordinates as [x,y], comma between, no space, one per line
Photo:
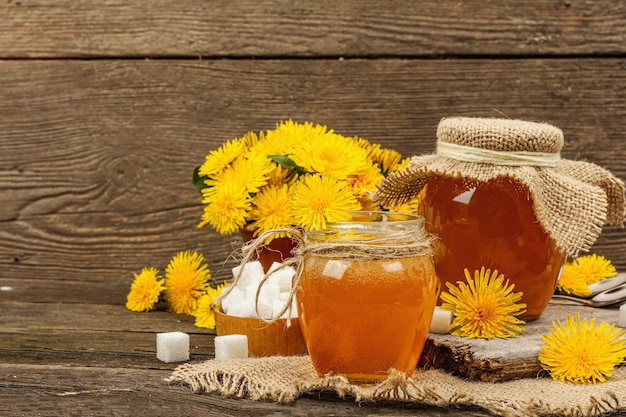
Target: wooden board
[269,28]
[497,360]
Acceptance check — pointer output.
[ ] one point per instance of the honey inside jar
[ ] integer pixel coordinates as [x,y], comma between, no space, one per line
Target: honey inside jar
[491,224]
[360,317]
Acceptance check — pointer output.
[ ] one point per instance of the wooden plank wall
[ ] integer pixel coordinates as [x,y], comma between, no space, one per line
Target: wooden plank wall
[107,106]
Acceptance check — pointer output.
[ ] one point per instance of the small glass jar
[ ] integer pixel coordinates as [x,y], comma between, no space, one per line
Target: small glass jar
[366,295]
[491,224]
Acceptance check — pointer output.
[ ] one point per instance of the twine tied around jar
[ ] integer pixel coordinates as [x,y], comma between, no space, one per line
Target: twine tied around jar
[416,242]
[509,158]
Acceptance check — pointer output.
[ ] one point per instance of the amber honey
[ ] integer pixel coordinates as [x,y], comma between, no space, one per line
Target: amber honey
[360,318]
[491,224]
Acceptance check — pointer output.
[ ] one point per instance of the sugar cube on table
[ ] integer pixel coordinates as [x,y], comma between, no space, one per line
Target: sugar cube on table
[441,321]
[172,347]
[232,346]
[621,322]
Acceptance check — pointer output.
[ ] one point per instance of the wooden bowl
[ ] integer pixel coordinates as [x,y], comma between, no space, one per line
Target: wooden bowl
[264,339]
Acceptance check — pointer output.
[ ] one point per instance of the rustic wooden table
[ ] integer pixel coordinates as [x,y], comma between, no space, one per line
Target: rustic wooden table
[74,350]
[65,350]
[107,106]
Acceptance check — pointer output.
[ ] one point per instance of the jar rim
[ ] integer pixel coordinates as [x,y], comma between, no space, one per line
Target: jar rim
[372,226]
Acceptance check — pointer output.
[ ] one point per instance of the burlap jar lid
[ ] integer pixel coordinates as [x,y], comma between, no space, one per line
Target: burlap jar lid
[572,199]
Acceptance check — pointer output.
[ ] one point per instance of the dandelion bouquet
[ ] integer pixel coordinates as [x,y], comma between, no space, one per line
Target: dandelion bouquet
[298,175]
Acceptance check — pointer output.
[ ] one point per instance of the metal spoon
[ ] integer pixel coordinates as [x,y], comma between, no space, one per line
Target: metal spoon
[615,295]
[607,284]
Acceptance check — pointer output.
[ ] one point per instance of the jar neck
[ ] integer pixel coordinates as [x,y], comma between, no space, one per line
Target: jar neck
[371,234]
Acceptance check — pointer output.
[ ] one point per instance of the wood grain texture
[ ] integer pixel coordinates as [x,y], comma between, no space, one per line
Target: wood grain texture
[53,390]
[96,156]
[68,358]
[311,28]
[99,359]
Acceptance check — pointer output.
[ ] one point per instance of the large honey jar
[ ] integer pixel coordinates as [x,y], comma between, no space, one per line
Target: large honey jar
[497,194]
[366,295]
[491,224]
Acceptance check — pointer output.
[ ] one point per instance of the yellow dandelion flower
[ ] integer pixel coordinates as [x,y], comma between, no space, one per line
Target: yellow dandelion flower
[205,313]
[186,279]
[252,172]
[365,180]
[271,210]
[400,165]
[331,154]
[288,135]
[145,290]
[408,207]
[227,207]
[582,352]
[485,307]
[367,204]
[280,176]
[573,282]
[216,161]
[250,140]
[595,268]
[319,199]
[371,148]
[585,270]
[388,160]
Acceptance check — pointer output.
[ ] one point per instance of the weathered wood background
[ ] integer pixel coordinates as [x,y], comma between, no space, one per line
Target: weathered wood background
[107,106]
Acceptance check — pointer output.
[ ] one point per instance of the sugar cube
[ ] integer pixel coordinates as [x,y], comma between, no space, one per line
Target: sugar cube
[441,321]
[622,316]
[234,297]
[282,277]
[234,310]
[247,308]
[277,307]
[270,292]
[232,346]
[251,274]
[172,347]
[264,309]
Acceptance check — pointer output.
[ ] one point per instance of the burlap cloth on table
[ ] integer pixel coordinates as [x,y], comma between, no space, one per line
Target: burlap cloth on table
[283,379]
[572,199]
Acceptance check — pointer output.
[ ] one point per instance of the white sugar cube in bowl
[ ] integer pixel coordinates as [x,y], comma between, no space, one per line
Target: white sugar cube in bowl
[241,312]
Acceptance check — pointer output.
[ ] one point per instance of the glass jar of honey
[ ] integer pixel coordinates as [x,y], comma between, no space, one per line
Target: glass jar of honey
[497,194]
[491,224]
[366,295]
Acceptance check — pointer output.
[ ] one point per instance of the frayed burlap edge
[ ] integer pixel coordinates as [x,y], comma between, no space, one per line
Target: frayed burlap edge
[284,379]
[572,201]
